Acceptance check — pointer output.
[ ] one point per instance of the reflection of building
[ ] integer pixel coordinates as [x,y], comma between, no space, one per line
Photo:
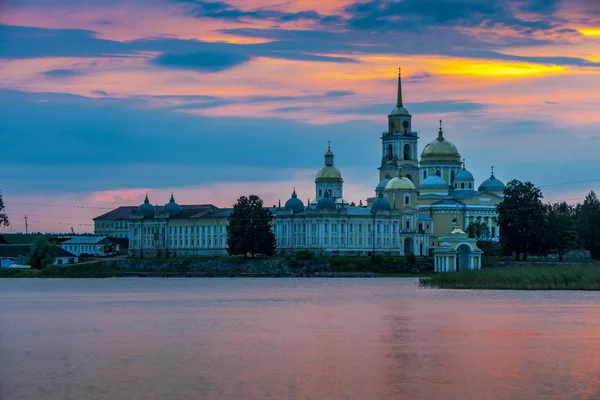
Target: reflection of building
[414,204]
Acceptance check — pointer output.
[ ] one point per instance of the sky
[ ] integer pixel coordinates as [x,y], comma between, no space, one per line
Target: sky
[103,101]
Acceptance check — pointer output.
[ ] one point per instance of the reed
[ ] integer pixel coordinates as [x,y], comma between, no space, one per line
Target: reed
[520,278]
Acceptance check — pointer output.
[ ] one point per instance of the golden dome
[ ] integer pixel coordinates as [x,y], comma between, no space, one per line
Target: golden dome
[400,184]
[441,148]
[329,173]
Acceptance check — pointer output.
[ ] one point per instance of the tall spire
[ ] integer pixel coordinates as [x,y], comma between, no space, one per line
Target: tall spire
[440,132]
[399,101]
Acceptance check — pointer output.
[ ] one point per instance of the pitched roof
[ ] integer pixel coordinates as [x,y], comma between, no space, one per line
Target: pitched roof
[123,212]
[423,217]
[87,240]
[448,202]
[22,250]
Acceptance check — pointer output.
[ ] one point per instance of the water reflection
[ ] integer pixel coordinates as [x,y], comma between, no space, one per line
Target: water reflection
[292,339]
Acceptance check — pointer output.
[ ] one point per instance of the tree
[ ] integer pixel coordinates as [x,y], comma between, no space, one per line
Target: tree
[561,232]
[3,217]
[249,228]
[478,230]
[521,217]
[588,224]
[40,255]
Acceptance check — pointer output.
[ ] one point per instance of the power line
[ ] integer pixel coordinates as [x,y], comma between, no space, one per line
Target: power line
[570,183]
[63,206]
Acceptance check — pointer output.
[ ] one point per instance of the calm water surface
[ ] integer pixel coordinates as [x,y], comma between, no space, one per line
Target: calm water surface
[292,339]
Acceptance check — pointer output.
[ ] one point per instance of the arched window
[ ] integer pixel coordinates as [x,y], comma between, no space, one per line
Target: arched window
[409,176]
[452,176]
[470,186]
[407,200]
[455,185]
[438,173]
[462,185]
[407,152]
[424,174]
[390,152]
[320,193]
[329,191]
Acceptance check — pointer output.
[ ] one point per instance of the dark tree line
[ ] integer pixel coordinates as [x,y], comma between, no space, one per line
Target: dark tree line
[249,228]
[3,217]
[530,227]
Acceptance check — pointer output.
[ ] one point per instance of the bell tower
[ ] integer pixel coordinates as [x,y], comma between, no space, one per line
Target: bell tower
[399,142]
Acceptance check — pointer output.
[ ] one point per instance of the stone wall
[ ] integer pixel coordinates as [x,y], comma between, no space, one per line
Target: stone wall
[223,267]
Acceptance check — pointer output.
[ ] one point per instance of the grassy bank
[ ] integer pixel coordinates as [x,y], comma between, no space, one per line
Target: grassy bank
[523,278]
[92,270]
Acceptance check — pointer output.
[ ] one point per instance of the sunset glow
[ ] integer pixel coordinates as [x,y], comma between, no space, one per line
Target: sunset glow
[114,99]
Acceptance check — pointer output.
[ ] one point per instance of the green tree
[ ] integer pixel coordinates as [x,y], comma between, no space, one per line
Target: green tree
[249,228]
[3,217]
[588,224]
[521,217]
[40,255]
[478,230]
[561,232]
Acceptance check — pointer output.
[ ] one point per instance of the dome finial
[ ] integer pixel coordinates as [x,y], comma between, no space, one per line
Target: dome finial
[492,171]
[328,145]
[172,198]
[146,201]
[294,195]
[440,132]
[400,172]
[464,166]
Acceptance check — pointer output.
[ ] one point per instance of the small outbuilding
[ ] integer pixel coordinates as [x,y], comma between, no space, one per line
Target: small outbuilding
[457,252]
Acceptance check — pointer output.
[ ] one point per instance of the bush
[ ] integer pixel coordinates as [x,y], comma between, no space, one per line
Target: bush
[411,260]
[303,255]
[489,248]
[78,271]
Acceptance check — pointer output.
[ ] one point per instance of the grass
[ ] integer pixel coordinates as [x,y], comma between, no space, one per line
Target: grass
[520,278]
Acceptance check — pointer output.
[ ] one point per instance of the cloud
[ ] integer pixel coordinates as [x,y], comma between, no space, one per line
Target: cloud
[206,61]
[60,73]
[30,42]
[425,107]
[419,14]
[339,93]
[100,92]
[226,11]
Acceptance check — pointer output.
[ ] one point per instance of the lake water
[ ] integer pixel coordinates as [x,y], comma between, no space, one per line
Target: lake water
[276,338]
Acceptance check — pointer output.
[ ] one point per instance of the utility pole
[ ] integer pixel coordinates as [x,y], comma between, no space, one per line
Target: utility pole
[25,217]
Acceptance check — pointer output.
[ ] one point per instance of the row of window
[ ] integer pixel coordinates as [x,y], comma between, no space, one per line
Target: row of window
[334,242]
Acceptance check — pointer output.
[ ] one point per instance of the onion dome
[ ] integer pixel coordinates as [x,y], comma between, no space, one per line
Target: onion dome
[146,209]
[492,184]
[440,149]
[400,182]
[294,203]
[464,175]
[434,182]
[399,109]
[329,172]
[326,203]
[172,208]
[381,186]
[380,204]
